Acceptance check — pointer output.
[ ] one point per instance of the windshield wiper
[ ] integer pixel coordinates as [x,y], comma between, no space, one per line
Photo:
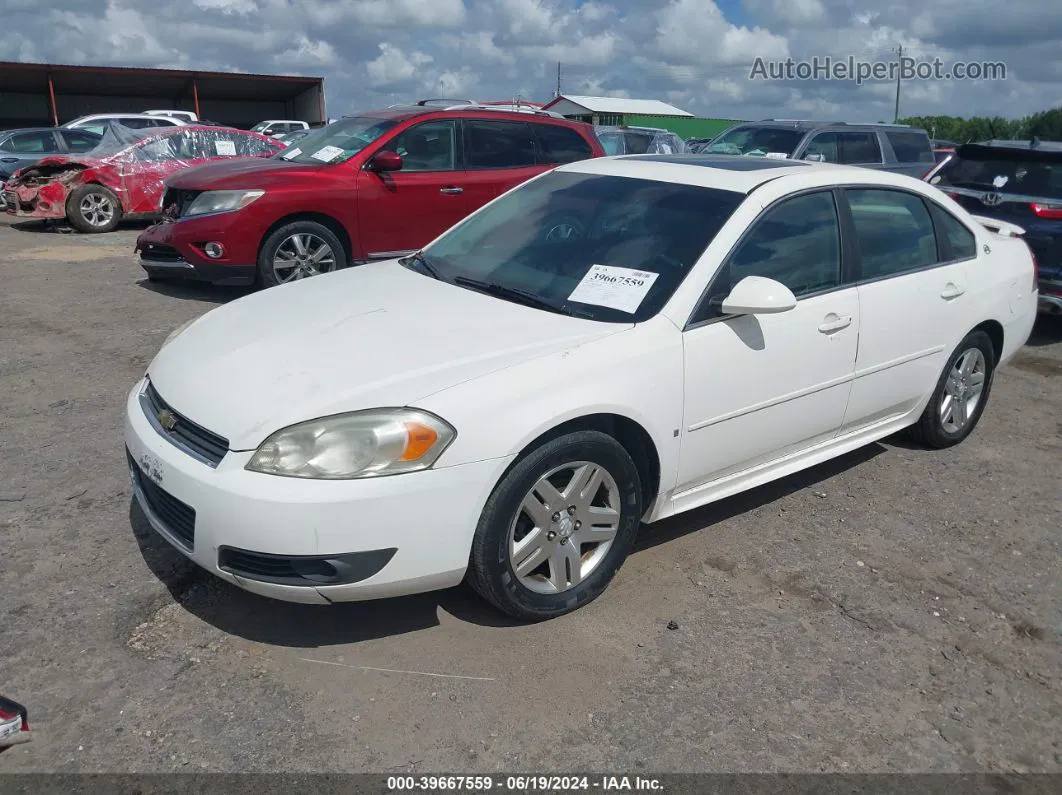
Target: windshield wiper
[421,260]
[519,296]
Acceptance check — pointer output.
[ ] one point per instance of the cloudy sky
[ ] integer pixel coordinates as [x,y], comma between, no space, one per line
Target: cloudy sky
[694,53]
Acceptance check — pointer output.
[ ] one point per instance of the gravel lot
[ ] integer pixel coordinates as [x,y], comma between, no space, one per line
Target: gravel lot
[895,610]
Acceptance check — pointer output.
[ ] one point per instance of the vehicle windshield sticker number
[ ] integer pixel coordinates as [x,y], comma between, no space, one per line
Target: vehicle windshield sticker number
[777,155]
[326,154]
[292,153]
[225,148]
[616,288]
[1000,181]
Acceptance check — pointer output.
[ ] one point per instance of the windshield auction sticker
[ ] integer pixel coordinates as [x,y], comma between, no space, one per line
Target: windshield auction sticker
[616,288]
[327,153]
[225,148]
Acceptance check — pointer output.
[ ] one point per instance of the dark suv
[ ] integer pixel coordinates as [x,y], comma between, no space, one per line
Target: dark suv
[1019,182]
[374,186]
[890,147]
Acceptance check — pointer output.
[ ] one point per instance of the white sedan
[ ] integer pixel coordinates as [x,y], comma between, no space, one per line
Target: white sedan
[614,342]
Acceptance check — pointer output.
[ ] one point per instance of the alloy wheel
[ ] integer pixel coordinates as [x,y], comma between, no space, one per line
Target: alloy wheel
[962,390]
[302,255]
[97,209]
[564,527]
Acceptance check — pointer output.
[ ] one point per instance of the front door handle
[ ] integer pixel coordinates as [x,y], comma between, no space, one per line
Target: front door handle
[8,159]
[834,323]
[451,190]
[952,290]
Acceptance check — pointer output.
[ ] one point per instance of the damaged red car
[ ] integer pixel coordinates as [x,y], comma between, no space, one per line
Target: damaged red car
[123,177]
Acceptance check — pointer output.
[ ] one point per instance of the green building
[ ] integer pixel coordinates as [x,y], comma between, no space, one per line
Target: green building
[637,113]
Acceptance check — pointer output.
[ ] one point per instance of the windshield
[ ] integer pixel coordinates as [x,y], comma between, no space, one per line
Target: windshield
[608,248]
[338,141]
[756,141]
[621,141]
[997,170]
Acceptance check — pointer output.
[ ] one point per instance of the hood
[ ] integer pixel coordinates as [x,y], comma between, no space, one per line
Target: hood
[374,336]
[241,173]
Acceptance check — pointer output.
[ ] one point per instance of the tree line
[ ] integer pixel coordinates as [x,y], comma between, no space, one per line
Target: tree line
[1045,125]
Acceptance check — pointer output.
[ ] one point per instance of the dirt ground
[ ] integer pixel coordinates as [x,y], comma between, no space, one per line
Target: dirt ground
[896,610]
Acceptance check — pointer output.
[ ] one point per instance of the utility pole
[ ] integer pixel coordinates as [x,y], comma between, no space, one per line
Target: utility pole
[899,66]
[557,93]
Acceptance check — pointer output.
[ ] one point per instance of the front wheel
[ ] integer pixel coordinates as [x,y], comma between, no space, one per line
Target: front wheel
[298,251]
[93,208]
[557,527]
[961,394]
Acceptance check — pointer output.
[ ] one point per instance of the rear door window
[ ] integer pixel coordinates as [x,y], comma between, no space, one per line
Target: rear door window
[894,232]
[498,144]
[80,140]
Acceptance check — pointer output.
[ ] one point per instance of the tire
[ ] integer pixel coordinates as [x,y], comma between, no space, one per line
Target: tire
[93,209]
[284,243]
[937,427]
[527,591]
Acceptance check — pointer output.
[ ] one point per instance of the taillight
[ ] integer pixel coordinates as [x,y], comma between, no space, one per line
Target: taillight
[1051,212]
[1035,267]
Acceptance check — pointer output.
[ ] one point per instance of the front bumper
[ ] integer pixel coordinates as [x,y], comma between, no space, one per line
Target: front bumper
[174,249]
[394,535]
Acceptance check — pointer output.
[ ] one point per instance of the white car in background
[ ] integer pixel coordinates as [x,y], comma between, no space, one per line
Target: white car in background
[614,342]
[277,127]
[187,116]
[98,122]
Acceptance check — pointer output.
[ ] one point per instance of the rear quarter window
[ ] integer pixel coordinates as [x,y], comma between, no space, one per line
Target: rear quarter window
[558,144]
[910,147]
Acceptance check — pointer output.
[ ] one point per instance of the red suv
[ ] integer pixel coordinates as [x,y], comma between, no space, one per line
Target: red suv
[375,186]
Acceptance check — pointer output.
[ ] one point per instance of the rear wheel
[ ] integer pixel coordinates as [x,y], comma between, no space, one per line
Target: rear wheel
[557,527]
[961,394]
[298,251]
[93,208]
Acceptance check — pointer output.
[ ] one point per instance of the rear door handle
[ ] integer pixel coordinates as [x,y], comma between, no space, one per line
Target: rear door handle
[835,323]
[952,290]
[451,190]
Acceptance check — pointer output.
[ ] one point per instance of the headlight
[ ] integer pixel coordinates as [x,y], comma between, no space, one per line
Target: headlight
[177,331]
[361,444]
[222,201]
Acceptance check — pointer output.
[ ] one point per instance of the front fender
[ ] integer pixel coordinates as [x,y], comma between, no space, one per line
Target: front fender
[636,374]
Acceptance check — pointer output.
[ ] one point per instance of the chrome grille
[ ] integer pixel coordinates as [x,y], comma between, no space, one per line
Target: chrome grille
[194,439]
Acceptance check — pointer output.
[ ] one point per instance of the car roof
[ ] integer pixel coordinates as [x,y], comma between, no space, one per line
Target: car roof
[37,129]
[807,125]
[401,113]
[723,172]
[1048,146]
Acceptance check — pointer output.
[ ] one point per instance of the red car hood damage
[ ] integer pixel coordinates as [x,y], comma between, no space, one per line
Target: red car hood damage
[241,174]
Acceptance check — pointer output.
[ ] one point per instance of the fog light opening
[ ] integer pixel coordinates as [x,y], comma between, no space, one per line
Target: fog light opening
[214,250]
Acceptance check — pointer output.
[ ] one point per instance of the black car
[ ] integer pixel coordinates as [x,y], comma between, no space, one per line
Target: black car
[1019,182]
[889,147]
[24,147]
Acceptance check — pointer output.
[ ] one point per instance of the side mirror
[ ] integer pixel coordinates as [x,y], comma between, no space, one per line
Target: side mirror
[756,295]
[386,161]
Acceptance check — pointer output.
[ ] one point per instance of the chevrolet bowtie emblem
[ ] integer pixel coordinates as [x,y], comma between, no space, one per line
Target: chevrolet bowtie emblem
[166,419]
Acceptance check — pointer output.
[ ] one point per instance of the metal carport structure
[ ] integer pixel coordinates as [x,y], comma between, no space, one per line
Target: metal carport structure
[34,94]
